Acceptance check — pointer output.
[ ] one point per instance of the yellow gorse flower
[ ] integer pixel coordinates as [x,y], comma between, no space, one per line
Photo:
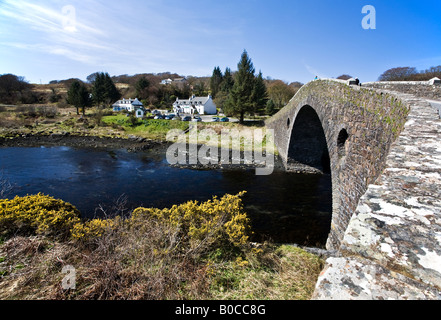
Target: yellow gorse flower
[219,219]
[37,213]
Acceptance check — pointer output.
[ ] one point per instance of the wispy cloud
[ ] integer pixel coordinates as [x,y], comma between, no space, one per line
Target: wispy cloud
[74,40]
[314,72]
[132,36]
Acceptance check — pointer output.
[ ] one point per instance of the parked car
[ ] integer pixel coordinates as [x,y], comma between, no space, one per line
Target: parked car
[186,118]
[197,119]
[225,119]
[168,117]
[158,117]
[215,119]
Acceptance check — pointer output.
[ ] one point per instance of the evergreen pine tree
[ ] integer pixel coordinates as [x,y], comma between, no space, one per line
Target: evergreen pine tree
[240,100]
[270,108]
[98,90]
[79,96]
[104,90]
[216,81]
[227,82]
[259,95]
[111,92]
[141,86]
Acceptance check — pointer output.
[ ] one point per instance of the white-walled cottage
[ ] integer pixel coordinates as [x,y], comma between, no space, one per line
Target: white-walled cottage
[200,105]
[127,105]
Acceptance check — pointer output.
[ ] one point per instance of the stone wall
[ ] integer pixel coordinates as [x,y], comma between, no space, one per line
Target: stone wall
[422,89]
[370,120]
[392,246]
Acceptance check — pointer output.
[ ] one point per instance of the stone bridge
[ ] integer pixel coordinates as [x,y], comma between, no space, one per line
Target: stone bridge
[381,144]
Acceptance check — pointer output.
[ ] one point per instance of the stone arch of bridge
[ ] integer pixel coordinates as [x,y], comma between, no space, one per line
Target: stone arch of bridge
[310,150]
[308,147]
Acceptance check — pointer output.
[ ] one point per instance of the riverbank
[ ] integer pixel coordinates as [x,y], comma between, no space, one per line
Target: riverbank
[133,143]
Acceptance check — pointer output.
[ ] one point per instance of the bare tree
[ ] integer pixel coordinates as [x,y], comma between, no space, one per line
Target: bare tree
[399,74]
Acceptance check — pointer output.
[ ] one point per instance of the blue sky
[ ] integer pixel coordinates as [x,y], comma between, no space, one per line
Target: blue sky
[288,40]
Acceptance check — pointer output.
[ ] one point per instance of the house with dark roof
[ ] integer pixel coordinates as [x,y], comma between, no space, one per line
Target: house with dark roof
[195,105]
[130,105]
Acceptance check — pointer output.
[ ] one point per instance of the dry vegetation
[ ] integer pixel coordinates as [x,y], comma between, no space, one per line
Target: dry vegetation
[194,251]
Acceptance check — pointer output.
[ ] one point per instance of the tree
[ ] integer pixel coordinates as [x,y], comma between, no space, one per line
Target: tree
[280,93]
[92,77]
[79,96]
[221,100]
[240,100]
[199,89]
[270,108]
[410,74]
[141,87]
[227,81]
[344,77]
[12,88]
[259,95]
[112,93]
[104,90]
[399,74]
[216,81]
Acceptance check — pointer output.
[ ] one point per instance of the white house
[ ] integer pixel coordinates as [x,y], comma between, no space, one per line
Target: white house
[166,81]
[200,105]
[130,105]
[127,104]
[176,80]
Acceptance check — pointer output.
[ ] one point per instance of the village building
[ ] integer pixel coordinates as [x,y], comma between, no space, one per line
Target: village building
[175,81]
[166,81]
[195,105]
[130,105]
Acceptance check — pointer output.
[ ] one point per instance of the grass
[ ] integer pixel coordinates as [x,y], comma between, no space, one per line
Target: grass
[275,272]
[156,255]
[148,128]
[32,269]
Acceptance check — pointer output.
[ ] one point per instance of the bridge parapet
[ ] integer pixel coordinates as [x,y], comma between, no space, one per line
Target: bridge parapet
[424,89]
[392,246]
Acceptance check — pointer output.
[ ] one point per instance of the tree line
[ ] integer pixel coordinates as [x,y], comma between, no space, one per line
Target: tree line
[147,87]
[247,92]
[410,74]
[15,89]
[239,93]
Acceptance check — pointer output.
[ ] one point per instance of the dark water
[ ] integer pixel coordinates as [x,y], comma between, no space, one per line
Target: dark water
[287,208]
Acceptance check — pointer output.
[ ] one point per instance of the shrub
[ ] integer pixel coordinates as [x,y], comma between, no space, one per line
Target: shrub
[39,214]
[92,229]
[217,223]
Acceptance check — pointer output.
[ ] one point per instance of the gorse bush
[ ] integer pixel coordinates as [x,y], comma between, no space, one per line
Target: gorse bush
[39,214]
[217,222]
[92,229]
[221,221]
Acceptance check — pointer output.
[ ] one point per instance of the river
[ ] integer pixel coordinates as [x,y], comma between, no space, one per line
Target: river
[283,207]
